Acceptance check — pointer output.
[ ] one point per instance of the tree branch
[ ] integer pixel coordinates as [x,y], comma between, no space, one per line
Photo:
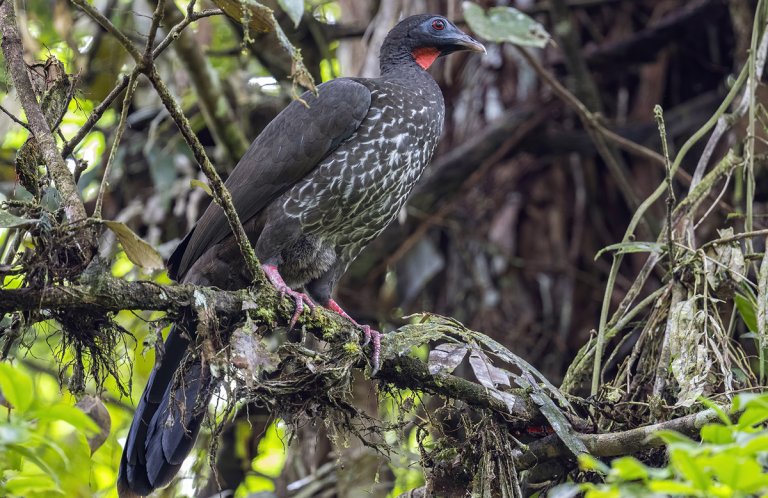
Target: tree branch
[613,443]
[108,294]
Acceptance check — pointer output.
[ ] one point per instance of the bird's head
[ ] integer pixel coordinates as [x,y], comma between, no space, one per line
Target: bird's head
[423,38]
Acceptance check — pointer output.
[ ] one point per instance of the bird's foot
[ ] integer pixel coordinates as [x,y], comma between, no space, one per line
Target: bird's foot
[372,336]
[298,297]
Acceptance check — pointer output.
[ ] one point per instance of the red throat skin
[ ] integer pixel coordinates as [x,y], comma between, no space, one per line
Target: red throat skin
[425,56]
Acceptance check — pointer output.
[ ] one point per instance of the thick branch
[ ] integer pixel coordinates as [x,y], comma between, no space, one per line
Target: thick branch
[613,443]
[107,294]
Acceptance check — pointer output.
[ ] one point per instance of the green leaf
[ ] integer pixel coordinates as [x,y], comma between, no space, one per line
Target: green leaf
[753,416]
[628,469]
[631,247]
[68,414]
[17,386]
[34,458]
[672,488]
[716,434]
[505,24]
[294,9]
[708,403]
[8,220]
[687,467]
[588,462]
[24,485]
[747,310]
[197,183]
[672,437]
[139,252]
[758,444]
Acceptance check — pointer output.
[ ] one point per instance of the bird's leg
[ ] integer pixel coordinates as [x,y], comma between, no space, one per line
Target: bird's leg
[300,298]
[371,335]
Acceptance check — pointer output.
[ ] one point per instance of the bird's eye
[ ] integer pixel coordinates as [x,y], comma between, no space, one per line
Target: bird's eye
[438,24]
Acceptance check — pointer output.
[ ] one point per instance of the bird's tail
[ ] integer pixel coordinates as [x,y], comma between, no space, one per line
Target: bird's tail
[166,422]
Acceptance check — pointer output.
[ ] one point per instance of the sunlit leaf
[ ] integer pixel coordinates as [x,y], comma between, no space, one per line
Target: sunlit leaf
[68,414]
[716,434]
[137,250]
[30,455]
[505,24]
[17,386]
[685,464]
[24,485]
[197,183]
[588,462]
[628,469]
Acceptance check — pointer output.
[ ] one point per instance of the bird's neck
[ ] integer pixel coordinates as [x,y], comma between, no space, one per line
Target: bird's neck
[398,60]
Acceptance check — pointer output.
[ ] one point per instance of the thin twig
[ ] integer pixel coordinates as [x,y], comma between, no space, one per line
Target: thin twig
[738,236]
[95,116]
[659,115]
[115,143]
[14,118]
[105,23]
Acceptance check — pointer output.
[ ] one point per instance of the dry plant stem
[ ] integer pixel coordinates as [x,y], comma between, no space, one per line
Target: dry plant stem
[216,109]
[750,149]
[637,216]
[221,194]
[687,205]
[133,80]
[659,114]
[591,119]
[63,178]
[94,117]
[738,236]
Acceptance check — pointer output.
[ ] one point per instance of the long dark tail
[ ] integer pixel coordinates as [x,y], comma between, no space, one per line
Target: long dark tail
[166,422]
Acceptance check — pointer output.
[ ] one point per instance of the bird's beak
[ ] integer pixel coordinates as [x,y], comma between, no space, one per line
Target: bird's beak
[466,42]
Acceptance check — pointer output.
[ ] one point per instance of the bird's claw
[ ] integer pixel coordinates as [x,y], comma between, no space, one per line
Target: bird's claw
[374,336]
[300,299]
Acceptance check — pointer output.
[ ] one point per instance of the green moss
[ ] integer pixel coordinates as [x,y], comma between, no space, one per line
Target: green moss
[351,347]
[265,314]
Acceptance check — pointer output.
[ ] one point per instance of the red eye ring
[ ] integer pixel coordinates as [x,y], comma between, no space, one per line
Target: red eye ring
[438,24]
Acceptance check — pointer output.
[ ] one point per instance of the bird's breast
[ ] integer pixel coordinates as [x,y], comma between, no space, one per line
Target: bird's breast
[357,190]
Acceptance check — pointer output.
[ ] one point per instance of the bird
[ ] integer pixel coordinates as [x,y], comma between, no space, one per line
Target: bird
[322,180]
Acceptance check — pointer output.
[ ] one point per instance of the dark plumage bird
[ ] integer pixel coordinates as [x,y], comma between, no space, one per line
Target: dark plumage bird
[319,183]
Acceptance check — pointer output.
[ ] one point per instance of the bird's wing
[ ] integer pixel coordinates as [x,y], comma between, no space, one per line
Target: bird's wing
[299,138]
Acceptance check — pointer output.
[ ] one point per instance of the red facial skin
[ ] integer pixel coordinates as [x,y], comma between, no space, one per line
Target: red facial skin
[425,56]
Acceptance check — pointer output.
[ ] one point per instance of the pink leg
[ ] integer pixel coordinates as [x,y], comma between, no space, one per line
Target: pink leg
[371,335]
[300,298]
